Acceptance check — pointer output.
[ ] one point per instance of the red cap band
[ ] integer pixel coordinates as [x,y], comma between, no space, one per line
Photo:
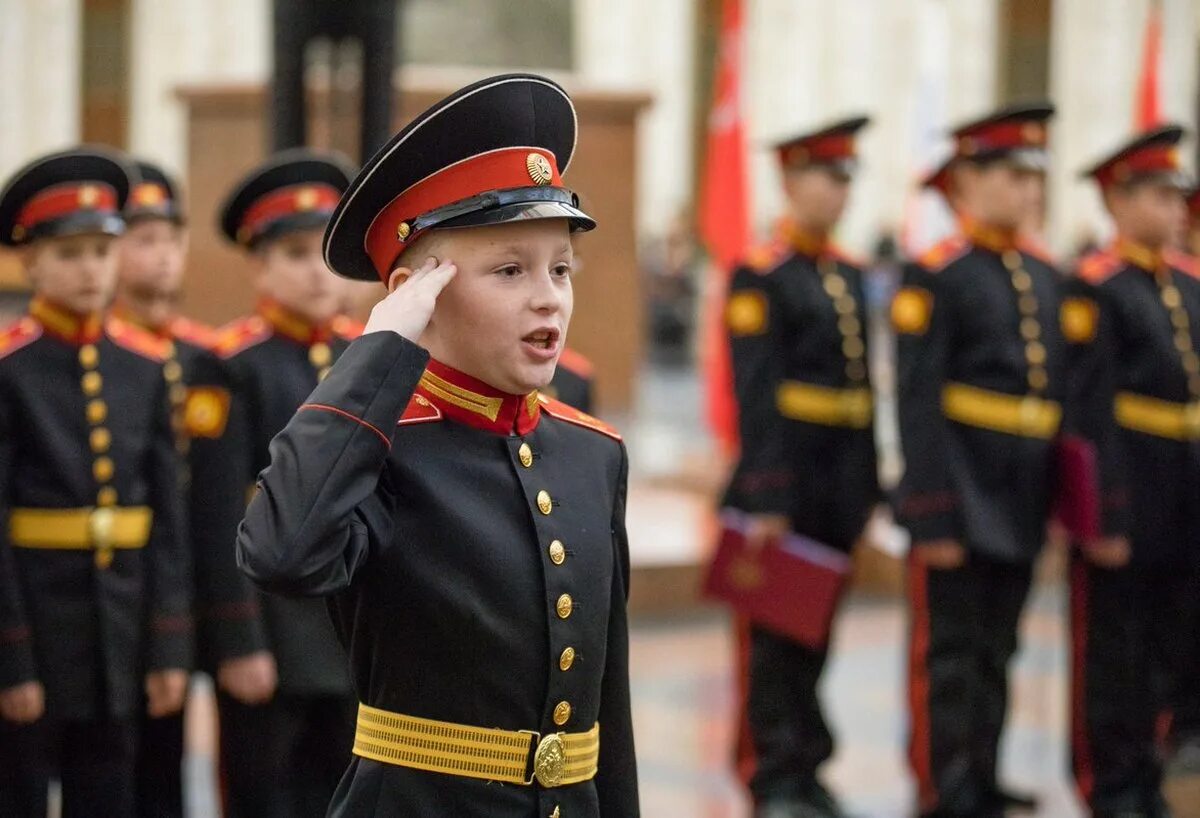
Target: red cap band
[829,148]
[391,230]
[1151,159]
[1001,136]
[65,200]
[283,202]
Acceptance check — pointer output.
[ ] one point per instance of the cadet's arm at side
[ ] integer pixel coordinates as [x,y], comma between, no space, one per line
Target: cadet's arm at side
[308,528]
[16,639]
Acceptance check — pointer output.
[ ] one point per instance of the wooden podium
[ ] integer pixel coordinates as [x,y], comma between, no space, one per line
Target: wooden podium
[226,135]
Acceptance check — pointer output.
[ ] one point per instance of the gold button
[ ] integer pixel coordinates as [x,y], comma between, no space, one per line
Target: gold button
[846,305]
[172,371]
[565,606]
[102,469]
[1021,280]
[1038,379]
[1027,304]
[88,356]
[856,370]
[848,325]
[100,440]
[106,496]
[1183,341]
[525,453]
[853,348]
[544,503]
[97,411]
[566,660]
[1035,353]
[319,355]
[562,713]
[558,552]
[91,383]
[1170,296]
[835,285]
[1179,319]
[1011,259]
[1031,330]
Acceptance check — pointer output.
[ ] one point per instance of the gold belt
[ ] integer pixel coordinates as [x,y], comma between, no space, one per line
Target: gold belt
[80,528]
[824,405]
[1161,418]
[559,759]
[1020,415]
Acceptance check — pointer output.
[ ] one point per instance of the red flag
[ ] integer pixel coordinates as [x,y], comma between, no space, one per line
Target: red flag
[1148,107]
[724,220]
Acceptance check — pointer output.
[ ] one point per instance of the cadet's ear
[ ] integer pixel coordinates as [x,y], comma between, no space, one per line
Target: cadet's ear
[397,277]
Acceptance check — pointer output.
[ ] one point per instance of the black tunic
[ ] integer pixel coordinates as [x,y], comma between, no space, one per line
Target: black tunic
[87,632]
[959,321]
[784,328]
[428,539]
[274,361]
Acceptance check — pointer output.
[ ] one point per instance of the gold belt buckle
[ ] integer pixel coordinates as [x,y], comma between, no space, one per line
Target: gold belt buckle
[549,759]
[1191,420]
[1029,413]
[856,408]
[101,523]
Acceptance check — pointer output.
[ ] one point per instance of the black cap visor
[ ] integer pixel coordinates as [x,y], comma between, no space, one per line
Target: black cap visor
[294,223]
[77,224]
[511,205]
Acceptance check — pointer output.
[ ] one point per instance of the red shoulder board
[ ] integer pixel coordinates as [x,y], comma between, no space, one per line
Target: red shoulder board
[1184,262]
[193,332]
[576,362]
[1099,267]
[347,328]
[570,414]
[1033,247]
[19,334]
[766,257]
[940,255]
[240,334]
[136,339]
[419,410]
[846,257]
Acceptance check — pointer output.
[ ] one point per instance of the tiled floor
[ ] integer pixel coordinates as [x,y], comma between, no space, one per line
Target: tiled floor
[683,698]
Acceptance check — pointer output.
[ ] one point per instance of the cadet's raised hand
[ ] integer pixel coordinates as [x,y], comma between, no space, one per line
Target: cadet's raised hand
[944,554]
[408,307]
[23,703]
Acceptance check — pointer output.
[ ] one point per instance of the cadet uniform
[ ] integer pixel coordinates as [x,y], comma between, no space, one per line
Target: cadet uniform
[94,583]
[796,316]
[980,387]
[275,359]
[573,380]
[198,392]
[1131,624]
[471,543]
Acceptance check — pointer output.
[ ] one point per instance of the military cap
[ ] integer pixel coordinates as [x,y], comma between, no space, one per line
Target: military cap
[293,190]
[81,190]
[939,177]
[833,146]
[1015,133]
[490,153]
[1150,156]
[154,196]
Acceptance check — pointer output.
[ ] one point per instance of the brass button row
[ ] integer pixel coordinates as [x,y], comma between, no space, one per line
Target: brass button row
[1172,299]
[177,396]
[91,383]
[321,357]
[1031,328]
[853,346]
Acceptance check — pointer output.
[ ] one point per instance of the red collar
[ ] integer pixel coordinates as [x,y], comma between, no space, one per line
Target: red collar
[477,404]
[67,325]
[996,239]
[1139,255]
[286,323]
[121,310]
[805,242]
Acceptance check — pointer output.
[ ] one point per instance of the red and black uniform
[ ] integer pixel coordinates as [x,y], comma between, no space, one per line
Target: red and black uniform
[95,584]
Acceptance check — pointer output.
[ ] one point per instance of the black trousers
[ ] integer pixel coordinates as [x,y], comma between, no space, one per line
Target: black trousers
[1185,721]
[160,767]
[296,24]
[284,759]
[1128,647]
[784,737]
[93,759]
[964,625]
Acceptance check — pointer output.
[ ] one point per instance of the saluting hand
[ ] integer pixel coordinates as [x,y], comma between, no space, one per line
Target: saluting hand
[23,703]
[165,690]
[408,306]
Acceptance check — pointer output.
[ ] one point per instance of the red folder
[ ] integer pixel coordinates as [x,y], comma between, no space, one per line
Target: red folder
[1077,501]
[790,586]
